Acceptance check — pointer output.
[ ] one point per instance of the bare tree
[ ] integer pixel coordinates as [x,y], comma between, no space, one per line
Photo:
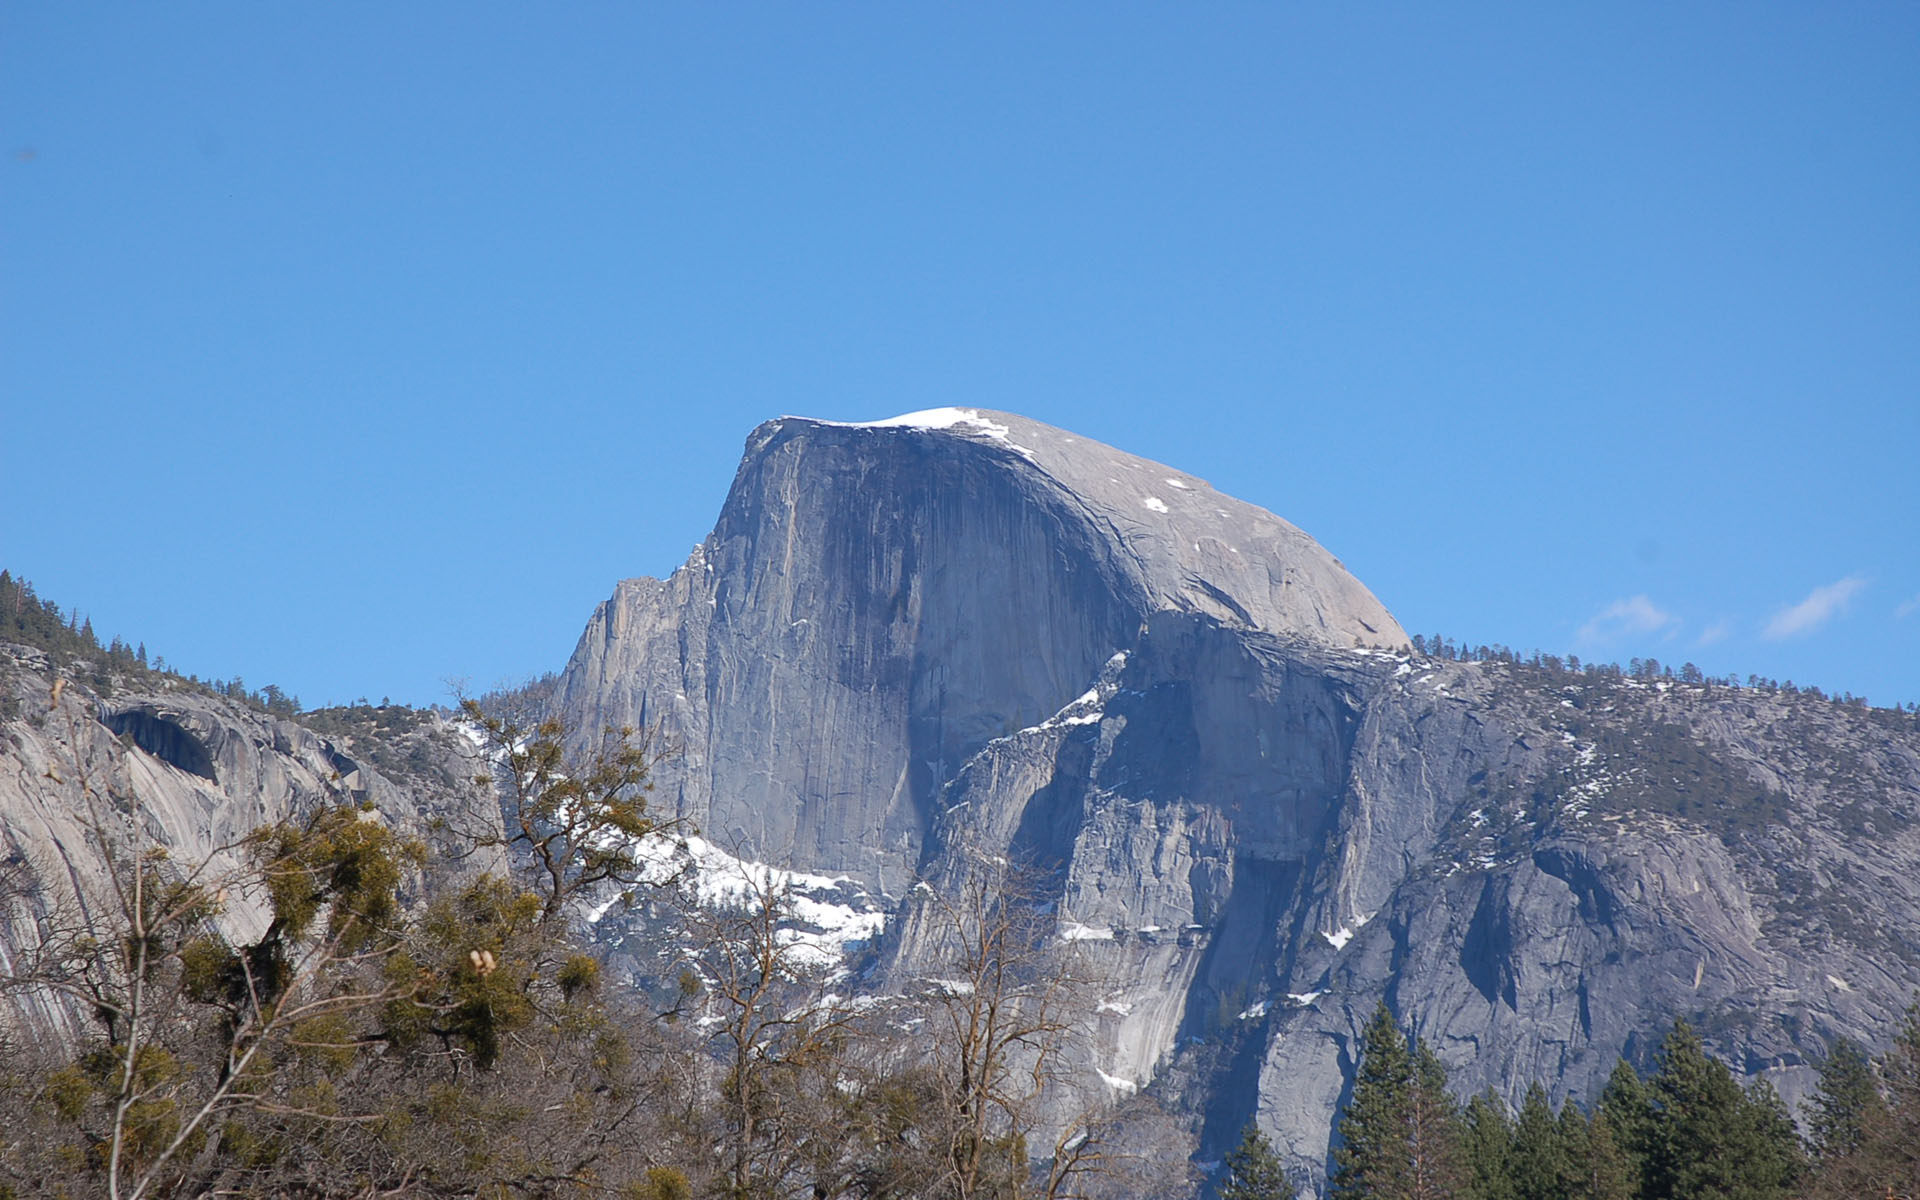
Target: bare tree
[781,1038]
[1004,1002]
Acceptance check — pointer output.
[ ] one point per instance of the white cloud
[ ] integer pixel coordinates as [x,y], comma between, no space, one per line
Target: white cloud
[1716,632]
[1908,609]
[1822,604]
[1634,615]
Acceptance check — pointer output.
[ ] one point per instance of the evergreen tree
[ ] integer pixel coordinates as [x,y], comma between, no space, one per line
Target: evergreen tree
[1711,1140]
[1602,1170]
[1769,1142]
[1374,1159]
[1434,1134]
[1254,1172]
[1891,1149]
[1486,1135]
[1886,1158]
[1539,1165]
[1627,1108]
[1846,1101]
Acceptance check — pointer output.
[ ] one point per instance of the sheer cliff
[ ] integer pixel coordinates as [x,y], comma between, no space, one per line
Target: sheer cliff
[877,602]
[1246,796]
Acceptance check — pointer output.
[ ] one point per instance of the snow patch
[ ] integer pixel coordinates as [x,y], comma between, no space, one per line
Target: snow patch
[1839,983]
[829,916]
[939,418]
[1339,937]
[1090,696]
[1253,1011]
[1303,999]
[1074,931]
[1126,1087]
[1155,503]
[1175,483]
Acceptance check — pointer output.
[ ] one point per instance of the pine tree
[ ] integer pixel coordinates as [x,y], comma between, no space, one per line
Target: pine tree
[1254,1172]
[1539,1162]
[1901,1069]
[1770,1143]
[1374,1159]
[1845,1102]
[1711,1140]
[1886,1158]
[1434,1131]
[1601,1170]
[1627,1108]
[1486,1135]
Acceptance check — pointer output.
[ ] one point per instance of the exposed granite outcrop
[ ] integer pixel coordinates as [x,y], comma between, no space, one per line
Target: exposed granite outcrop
[162,764]
[1252,805]
[876,603]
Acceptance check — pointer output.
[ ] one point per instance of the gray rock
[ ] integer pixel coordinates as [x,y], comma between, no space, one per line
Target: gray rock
[877,603]
[1249,804]
[161,764]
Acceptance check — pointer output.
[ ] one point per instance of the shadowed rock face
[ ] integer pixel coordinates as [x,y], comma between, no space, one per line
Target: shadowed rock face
[165,738]
[1252,807]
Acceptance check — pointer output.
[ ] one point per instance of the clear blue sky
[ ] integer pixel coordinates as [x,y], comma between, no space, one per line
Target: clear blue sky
[354,347]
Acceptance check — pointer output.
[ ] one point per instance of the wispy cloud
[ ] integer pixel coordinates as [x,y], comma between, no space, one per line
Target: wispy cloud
[1634,615]
[1907,609]
[1822,604]
[1716,632]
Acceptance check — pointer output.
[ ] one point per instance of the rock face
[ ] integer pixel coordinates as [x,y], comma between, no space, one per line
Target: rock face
[877,602]
[162,764]
[1250,801]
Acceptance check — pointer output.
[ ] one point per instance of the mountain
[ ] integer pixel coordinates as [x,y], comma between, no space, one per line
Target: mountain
[1248,798]
[1252,805]
[878,602]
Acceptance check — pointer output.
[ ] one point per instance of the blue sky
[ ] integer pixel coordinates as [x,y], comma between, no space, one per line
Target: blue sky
[360,347]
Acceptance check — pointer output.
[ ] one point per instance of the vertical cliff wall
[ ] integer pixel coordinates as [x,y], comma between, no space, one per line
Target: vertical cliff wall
[877,602]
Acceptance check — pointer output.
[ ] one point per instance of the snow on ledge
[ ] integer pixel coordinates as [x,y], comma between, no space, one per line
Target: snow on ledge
[1074,931]
[1341,936]
[937,418]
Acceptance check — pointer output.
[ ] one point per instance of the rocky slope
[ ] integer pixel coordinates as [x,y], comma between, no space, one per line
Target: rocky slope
[1251,803]
[149,760]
